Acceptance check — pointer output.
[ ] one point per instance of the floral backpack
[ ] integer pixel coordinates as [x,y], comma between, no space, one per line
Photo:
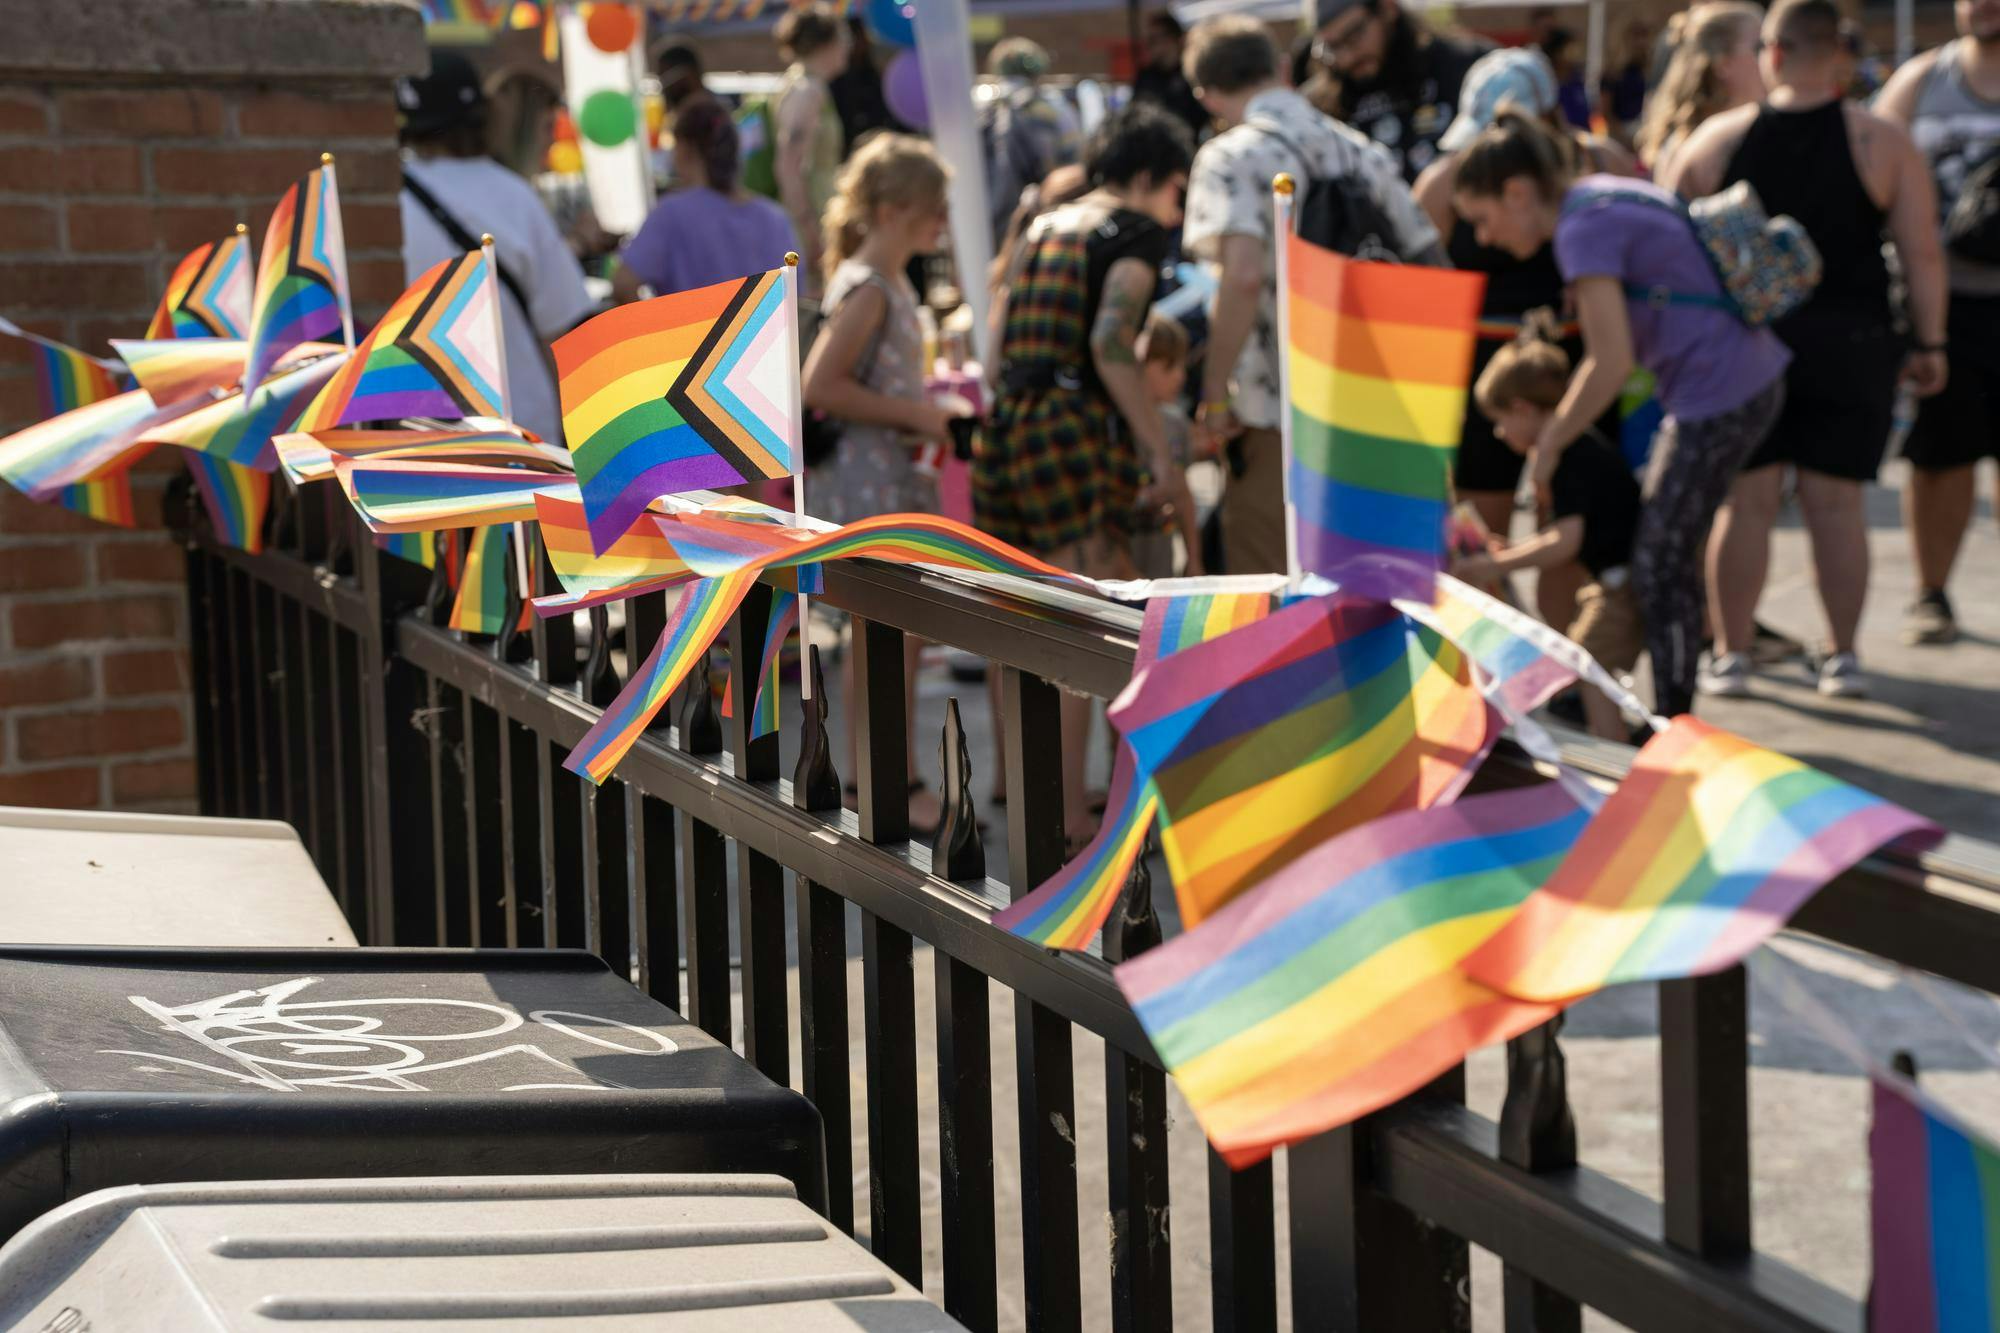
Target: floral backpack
[1768,265]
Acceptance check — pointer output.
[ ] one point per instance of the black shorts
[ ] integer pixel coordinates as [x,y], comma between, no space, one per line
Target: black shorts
[1840,394]
[1962,425]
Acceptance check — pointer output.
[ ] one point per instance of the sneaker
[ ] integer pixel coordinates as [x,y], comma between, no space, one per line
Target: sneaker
[1841,677]
[1929,619]
[1726,677]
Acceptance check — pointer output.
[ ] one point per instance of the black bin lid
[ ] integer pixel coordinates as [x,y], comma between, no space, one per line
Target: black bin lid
[139,1066]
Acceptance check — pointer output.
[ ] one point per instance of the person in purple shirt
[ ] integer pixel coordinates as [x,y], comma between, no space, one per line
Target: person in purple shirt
[1645,294]
[710,229]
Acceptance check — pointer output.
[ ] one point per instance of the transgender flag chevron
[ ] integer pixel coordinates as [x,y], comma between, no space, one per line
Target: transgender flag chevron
[435,354]
[1333,988]
[1379,359]
[208,295]
[301,291]
[1935,1217]
[704,609]
[679,393]
[1706,848]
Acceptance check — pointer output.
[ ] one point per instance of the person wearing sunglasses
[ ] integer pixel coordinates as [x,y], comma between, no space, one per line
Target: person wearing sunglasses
[1390,76]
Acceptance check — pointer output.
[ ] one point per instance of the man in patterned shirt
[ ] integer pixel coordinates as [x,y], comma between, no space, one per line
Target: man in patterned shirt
[1234,69]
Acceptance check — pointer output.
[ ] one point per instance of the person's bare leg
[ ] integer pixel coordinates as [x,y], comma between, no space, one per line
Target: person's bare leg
[1837,524]
[1555,592]
[1739,555]
[1937,508]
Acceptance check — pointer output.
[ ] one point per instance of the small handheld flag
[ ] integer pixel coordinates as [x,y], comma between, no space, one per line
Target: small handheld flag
[301,291]
[208,295]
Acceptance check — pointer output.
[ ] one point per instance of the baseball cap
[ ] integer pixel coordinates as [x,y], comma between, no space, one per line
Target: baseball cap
[449,95]
[1519,74]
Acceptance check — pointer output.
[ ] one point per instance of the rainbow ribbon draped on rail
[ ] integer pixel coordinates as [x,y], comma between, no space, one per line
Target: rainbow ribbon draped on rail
[1705,849]
[770,663]
[301,288]
[683,392]
[1935,1219]
[641,561]
[434,354]
[1380,356]
[705,607]
[715,546]
[425,496]
[1070,907]
[236,497]
[1265,743]
[1332,988]
[306,458]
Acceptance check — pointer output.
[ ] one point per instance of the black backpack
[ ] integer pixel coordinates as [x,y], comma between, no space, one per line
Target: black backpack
[1339,214]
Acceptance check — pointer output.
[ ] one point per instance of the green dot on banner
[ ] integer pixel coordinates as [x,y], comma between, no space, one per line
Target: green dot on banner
[609,117]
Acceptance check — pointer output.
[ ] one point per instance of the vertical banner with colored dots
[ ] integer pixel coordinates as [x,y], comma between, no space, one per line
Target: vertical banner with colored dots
[943,69]
[603,47]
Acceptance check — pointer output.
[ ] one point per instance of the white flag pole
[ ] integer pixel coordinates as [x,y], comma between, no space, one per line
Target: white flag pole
[795,441]
[506,403]
[1281,206]
[340,244]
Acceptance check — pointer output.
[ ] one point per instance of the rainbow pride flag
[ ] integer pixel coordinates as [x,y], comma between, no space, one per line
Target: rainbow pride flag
[108,499]
[705,607]
[236,497]
[306,458]
[1332,988]
[1265,743]
[435,354]
[241,428]
[419,548]
[1934,1216]
[301,291]
[713,546]
[67,379]
[461,22]
[1380,357]
[208,294]
[481,604]
[770,663]
[1068,909]
[422,496]
[83,444]
[1701,854]
[679,393]
[640,561]
[183,370]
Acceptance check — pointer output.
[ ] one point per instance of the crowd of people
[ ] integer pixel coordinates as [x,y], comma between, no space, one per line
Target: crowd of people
[1620,393]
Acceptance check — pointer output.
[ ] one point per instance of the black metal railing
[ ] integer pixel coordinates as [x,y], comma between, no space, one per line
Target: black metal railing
[423,771]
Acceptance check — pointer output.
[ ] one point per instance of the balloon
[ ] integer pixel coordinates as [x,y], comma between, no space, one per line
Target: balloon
[903,90]
[894,21]
[565,159]
[608,117]
[611,28]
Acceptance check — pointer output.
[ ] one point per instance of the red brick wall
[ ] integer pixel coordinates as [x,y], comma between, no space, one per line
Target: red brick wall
[107,177]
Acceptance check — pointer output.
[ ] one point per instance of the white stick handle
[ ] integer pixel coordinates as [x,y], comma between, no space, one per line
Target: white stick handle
[340,235]
[1281,206]
[499,327]
[795,442]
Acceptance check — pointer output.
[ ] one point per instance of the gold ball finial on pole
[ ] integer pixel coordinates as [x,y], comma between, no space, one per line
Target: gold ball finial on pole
[326,159]
[242,229]
[485,238]
[1282,183]
[791,259]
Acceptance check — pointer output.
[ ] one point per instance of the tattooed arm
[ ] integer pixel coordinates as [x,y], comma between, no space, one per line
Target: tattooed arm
[1114,338]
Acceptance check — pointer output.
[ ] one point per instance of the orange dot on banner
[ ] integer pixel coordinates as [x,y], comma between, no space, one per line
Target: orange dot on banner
[612,28]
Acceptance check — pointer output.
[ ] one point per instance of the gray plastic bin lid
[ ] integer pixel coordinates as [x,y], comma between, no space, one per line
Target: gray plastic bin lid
[728,1253]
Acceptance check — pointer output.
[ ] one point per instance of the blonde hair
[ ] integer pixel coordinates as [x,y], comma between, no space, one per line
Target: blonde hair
[888,169]
[1691,91]
[1532,369]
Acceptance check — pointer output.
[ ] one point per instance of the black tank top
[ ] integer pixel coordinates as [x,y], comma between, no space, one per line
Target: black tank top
[1513,286]
[1800,163]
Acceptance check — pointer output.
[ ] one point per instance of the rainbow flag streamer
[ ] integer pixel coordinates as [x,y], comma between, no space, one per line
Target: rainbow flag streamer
[481,604]
[1265,743]
[415,497]
[307,458]
[180,370]
[1380,359]
[108,499]
[419,548]
[679,393]
[703,610]
[433,355]
[301,287]
[241,429]
[237,499]
[1935,1218]
[770,666]
[208,295]
[1706,848]
[460,22]
[640,561]
[1069,908]
[1332,988]
[68,379]
[715,546]
[83,444]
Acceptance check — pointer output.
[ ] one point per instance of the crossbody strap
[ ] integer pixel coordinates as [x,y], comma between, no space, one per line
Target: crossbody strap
[1656,295]
[465,240]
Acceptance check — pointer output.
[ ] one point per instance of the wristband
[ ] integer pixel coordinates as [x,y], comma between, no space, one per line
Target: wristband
[1213,405]
[1930,347]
